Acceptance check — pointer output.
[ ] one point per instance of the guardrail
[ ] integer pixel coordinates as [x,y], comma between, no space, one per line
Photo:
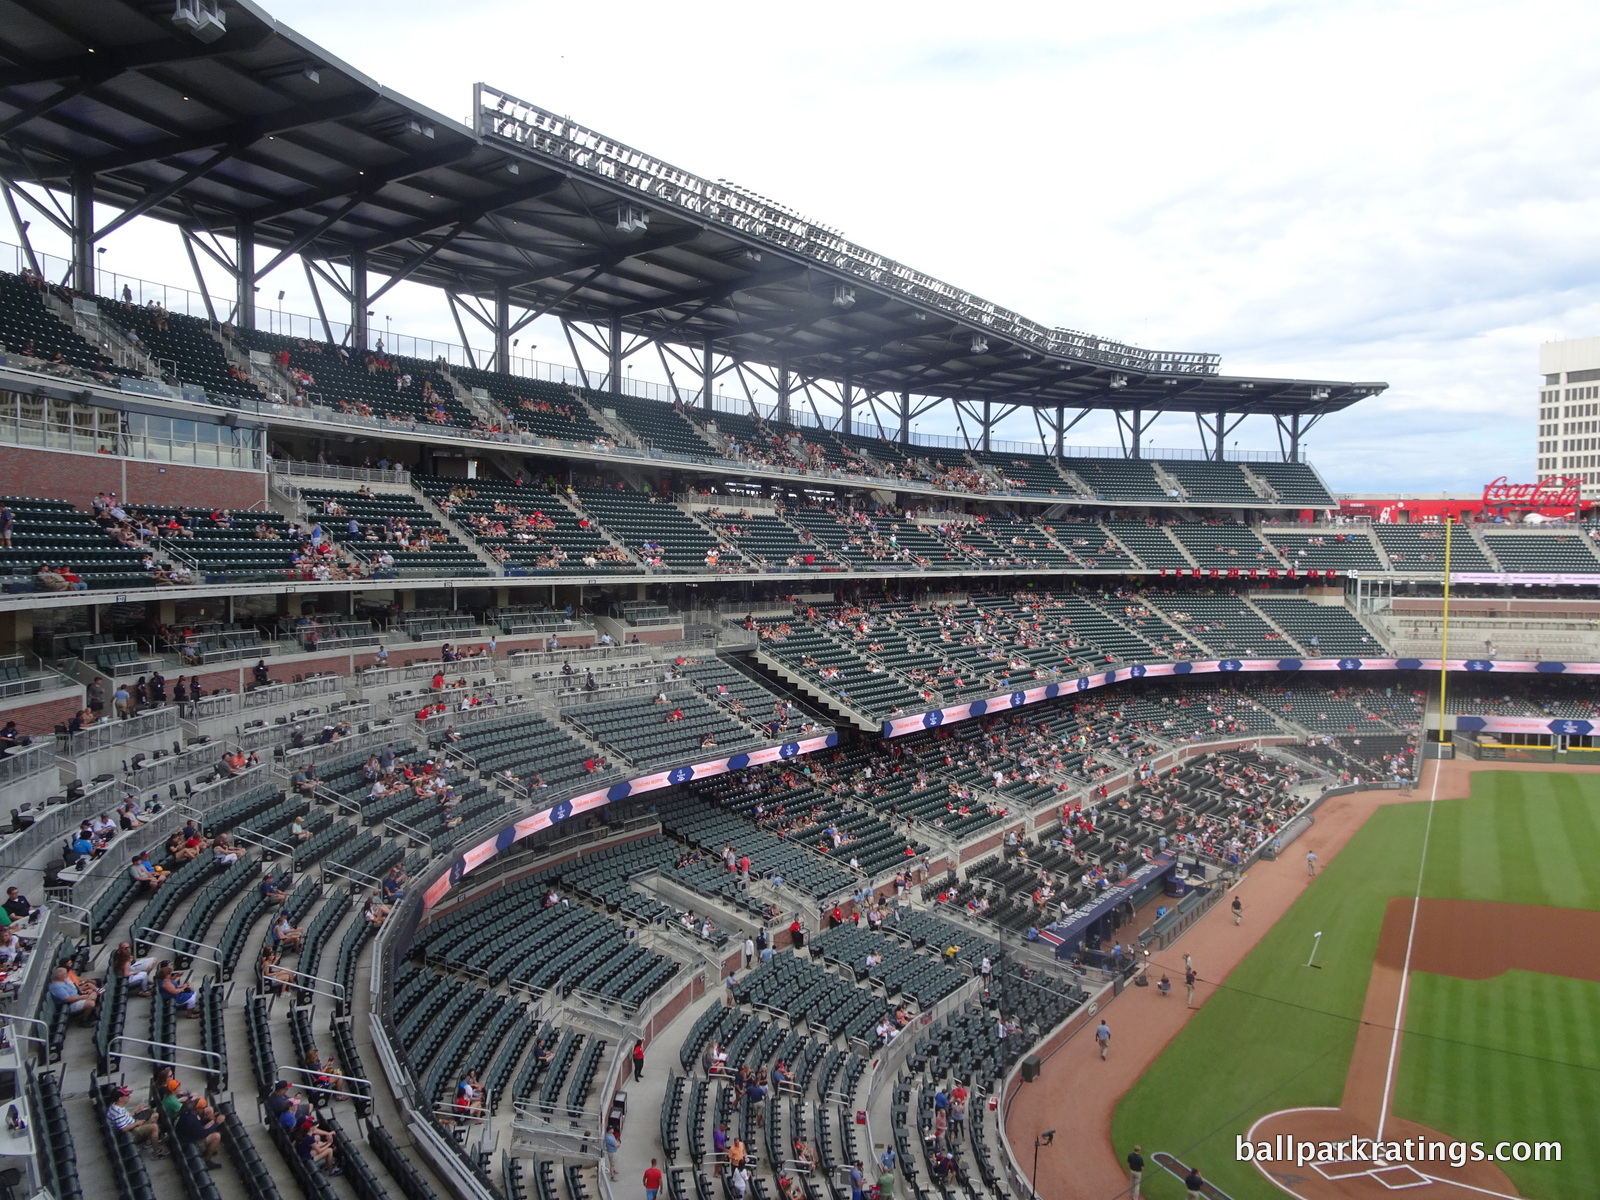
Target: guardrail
[310,470]
[26,761]
[117,732]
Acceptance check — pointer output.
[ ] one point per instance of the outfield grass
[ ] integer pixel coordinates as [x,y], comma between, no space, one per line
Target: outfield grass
[1280,1036]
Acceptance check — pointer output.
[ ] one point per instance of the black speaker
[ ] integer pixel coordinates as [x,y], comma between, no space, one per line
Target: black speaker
[1030,1068]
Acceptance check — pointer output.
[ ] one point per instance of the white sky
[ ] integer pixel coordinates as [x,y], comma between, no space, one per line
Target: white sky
[1342,190]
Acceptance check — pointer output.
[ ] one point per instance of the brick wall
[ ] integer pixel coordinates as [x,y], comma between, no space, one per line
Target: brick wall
[40,719]
[66,475]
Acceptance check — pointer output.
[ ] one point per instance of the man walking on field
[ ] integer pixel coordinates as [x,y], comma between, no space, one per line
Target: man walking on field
[1102,1035]
[1238,910]
[1135,1172]
[1311,862]
[1189,978]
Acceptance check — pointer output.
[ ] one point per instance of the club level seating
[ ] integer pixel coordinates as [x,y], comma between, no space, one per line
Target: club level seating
[638,729]
[818,820]
[1343,551]
[1323,630]
[513,934]
[636,519]
[1089,544]
[232,551]
[540,407]
[1119,479]
[346,381]
[1150,544]
[1025,543]
[1534,553]
[1222,623]
[27,327]
[1318,710]
[182,346]
[1212,482]
[532,546]
[660,425]
[518,749]
[378,514]
[1225,546]
[710,828]
[768,541]
[1295,483]
[52,531]
[1420,548]
[1027,472]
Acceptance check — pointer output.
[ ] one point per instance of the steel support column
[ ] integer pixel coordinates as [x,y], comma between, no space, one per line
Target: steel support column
[785,385]
[847,405]
[614,354]
[502,329]
[1061,429]
[1138,430]
[1221,432]
[708,376]
[358,300]
[1294,438]
[905,418]
[988,424]
[83,279]
[244,308]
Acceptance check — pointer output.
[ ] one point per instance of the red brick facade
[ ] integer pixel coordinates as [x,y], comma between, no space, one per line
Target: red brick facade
[75,478]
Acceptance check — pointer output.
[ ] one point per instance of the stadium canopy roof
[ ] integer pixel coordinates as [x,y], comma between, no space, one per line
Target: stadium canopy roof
[248,129]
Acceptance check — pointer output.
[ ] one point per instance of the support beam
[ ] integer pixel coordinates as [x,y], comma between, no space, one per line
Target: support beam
[708,376]
[847,404]
[358,301]
[614,353]
[1132,425]
[21,227]
[1216,428]
[1061,429]
[83,233]
[244,309]
[502,330]
[988,425]
[905,418]
[785,386]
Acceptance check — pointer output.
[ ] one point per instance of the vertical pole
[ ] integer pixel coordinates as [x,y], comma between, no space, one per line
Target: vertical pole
[1061,429]
[502,329]
[847,405]
[785,383]
[244,257]
[358,300]
[1222,425]
[1444,645]
[614,355]
[83,234]
[905,418]
[1294,438]
[1138,428]
[988,423]
[708,377]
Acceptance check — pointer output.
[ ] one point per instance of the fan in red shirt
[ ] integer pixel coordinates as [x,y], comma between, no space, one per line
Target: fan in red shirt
[652,1180]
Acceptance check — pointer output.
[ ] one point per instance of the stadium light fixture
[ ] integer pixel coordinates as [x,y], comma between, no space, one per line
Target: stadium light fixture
[980,344]
[631,219]
[417,129]
[201,19]
[843,295]
[1118,382]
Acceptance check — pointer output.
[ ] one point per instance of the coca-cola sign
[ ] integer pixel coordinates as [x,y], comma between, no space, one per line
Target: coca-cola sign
[1558,491]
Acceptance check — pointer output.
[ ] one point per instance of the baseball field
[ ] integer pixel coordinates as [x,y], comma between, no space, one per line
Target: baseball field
[1499,962]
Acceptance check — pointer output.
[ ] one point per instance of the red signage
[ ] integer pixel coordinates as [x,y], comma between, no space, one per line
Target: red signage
[1558,491]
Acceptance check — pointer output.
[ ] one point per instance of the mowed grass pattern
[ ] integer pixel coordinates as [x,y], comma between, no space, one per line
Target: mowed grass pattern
[1279,1036]
[1514,1058]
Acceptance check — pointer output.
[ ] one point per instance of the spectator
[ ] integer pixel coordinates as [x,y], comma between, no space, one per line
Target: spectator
[134,972]
[198,1125]
[141,1122]
[66,993]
